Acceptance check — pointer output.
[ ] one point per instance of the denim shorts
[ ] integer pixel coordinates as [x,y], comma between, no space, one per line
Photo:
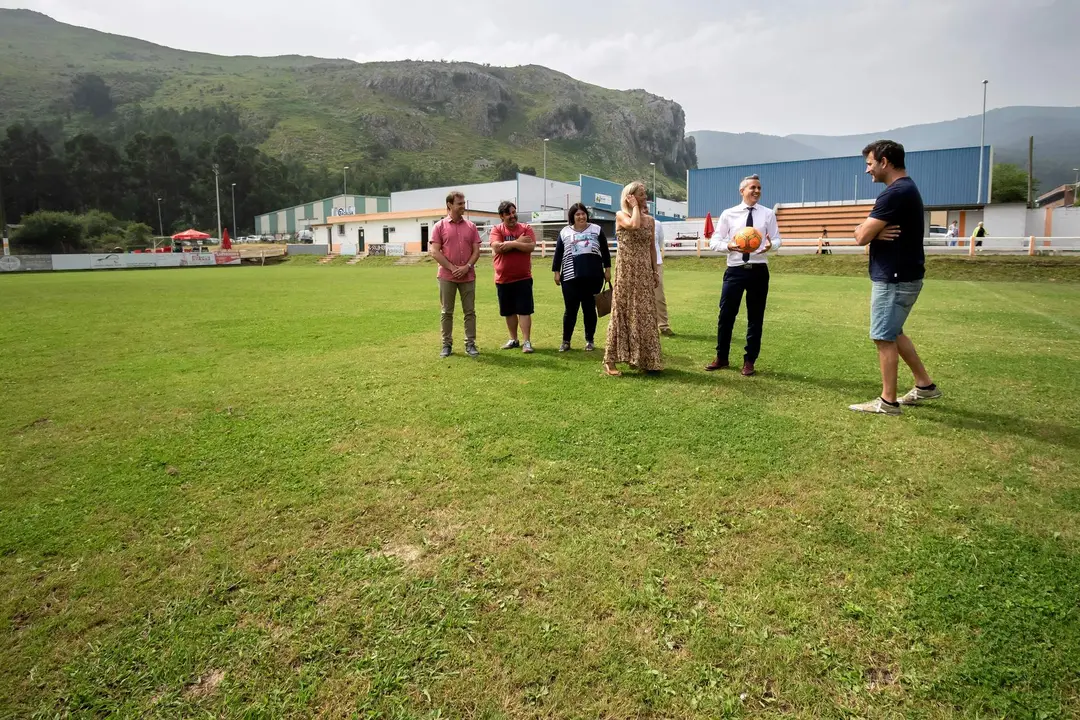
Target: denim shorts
[890,304]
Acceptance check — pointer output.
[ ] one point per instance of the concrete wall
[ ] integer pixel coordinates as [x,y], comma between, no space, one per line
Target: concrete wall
[1066,222]
[1004,220]
[481,196]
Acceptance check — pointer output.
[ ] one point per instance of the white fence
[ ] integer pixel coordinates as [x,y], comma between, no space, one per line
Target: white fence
[682,239]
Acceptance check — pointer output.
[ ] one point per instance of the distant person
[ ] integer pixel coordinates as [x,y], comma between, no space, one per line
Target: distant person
[824,241]
[953,233]
[979,234]
[581,265]
[894,232]
[512,244]
[455,245]
[746,272]
[658,295]
[632,335]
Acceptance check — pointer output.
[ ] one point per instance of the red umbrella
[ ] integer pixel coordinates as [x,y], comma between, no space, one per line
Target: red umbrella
[708,226]
[191,235]
[226,243]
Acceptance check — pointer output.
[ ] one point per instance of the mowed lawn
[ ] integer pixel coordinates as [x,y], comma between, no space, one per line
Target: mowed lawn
[258,492]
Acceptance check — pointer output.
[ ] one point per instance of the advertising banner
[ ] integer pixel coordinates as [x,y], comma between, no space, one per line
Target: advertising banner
[25,263]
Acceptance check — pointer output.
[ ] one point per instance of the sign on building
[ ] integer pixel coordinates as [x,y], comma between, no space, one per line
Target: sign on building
[341,212]
[602,199]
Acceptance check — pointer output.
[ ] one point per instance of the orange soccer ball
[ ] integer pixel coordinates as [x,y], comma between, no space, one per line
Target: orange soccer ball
[747,239]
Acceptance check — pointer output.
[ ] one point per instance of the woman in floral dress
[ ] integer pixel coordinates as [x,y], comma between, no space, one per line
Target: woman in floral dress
[632,336]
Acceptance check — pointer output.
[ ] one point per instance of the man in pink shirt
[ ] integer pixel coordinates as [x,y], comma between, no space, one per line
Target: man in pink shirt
[455,245]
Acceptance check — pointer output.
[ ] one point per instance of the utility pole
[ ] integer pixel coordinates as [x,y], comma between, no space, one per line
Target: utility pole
[982,144]
[1031,169]
[160,225]
[217,193]
[3,217]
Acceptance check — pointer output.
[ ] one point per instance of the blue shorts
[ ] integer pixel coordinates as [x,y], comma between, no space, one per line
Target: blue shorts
[890,304]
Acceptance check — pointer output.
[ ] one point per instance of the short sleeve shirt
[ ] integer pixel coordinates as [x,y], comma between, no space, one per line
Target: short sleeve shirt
[515,265]
[457,240]
[902,259]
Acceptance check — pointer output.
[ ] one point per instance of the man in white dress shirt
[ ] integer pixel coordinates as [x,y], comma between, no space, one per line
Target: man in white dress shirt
[746,272]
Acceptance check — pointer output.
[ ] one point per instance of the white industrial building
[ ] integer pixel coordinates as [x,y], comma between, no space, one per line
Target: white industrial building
[527,192]
[393,233]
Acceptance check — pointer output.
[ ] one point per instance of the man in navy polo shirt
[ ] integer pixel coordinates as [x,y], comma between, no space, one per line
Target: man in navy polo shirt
[894,232]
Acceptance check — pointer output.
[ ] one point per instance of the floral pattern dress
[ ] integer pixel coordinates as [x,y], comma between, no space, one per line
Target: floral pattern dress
[632,335]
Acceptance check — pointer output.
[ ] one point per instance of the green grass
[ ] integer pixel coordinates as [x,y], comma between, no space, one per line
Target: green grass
[258,492]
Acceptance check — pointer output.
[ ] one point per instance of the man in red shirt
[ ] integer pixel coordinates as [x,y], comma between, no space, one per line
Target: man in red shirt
[455,245]
[512,245]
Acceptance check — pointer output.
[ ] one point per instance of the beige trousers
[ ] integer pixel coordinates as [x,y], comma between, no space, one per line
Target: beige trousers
[661,301]
[448,292]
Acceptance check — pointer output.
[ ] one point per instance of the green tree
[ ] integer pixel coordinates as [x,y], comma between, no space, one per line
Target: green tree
[34,178]
[48,232]
[506,169]
[139,235]
[1010,184]
[98,223]
[90,93]
[95,172]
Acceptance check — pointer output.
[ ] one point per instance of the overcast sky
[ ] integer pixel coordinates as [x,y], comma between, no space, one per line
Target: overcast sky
[828,67]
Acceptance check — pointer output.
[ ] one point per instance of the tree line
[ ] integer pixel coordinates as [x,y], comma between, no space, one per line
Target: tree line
[131,167]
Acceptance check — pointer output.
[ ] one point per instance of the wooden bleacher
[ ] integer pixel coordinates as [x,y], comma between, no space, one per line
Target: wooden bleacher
[807,222]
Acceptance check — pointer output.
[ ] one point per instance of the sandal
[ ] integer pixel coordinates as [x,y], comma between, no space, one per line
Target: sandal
[611,370]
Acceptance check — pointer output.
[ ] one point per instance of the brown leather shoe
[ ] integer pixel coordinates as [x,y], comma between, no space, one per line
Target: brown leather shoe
[747,368]
[716,364]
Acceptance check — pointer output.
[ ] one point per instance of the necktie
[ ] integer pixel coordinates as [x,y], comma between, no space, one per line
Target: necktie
[749,223]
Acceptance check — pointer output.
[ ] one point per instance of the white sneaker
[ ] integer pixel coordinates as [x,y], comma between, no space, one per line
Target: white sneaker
[876,406]
[527,347]
[510,344]
[917,395]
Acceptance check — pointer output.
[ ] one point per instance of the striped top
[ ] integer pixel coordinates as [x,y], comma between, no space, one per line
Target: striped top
[581,253]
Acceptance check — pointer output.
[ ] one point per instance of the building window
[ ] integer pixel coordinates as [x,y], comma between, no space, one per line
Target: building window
[340,229]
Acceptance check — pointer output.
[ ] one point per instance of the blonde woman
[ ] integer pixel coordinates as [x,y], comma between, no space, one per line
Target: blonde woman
[632,336]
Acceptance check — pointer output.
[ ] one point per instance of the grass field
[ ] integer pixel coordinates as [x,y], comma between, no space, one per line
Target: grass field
[258,492]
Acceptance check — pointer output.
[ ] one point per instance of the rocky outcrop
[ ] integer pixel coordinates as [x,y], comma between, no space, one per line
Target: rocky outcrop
[625,128]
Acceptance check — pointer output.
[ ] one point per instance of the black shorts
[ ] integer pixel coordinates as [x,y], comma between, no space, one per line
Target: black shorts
[515,298]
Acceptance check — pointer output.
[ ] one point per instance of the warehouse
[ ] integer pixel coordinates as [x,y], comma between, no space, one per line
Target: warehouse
[835,194]
[289,223]
[393,233]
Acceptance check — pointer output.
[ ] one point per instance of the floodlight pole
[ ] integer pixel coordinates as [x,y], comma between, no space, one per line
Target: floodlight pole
[982,143]
[217,193]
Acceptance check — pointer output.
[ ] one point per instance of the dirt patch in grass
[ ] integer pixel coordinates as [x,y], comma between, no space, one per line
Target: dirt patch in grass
[205,686]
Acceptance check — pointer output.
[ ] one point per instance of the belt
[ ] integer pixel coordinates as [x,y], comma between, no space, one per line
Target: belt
[750,265]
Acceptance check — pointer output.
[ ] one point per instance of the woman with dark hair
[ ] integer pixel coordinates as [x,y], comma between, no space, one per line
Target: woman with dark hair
[581,265]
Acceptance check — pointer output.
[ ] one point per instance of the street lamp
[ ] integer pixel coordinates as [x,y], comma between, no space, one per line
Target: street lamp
[217,193]
[345,183]
[234,209]
[160,225]
[1077,171]
[655,206]
[545,175]
[982,142]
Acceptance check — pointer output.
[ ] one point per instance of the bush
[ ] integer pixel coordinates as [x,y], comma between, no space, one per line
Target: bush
[48,232]
[139,235]
[97,223]
[109,242]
